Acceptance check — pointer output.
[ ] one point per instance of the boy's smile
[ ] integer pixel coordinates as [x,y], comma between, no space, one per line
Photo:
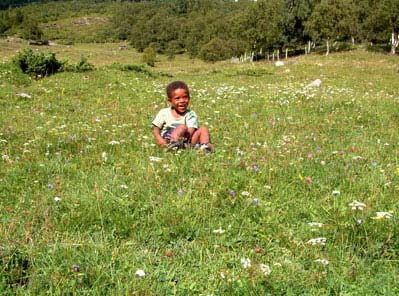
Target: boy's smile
[179,100]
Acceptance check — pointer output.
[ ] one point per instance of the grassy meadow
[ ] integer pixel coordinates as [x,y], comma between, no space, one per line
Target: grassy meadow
[300,196]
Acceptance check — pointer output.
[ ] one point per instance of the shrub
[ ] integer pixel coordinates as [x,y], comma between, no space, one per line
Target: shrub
[149,56]
[216,50]
[83,65]
[37,64]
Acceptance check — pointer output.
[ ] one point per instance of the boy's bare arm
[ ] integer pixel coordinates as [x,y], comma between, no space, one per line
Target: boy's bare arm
[156,131]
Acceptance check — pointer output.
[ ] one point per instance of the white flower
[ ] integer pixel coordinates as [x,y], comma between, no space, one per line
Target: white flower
[336,193]
[140,273]
[317,241]
[265,269]
[57,199]
[245,193]
[357,205]
[155,159]
[322,261]
[315,224]
[218,231]
[123,186]
[383,215]
[246,262]
[114,143]
[104,156]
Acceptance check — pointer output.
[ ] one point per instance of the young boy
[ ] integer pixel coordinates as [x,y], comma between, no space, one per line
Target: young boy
[176,127]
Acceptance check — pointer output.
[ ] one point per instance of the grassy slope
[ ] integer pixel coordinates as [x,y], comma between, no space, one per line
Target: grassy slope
[120,211]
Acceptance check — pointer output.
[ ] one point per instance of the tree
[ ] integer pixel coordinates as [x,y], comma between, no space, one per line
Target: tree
[385,18]
[31,30]
[215,50]
[263,25]
[332,20]
[149,56]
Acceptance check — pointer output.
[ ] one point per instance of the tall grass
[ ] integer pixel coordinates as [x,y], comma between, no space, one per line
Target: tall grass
[87,200]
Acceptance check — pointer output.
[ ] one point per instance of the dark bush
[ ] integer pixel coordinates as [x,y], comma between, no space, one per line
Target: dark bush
[37,64]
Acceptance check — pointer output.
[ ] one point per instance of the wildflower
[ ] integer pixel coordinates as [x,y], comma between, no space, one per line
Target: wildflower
[358,221]
[104,156]
[323,162]
[75,268]
[57,199]
[180,192]
[315,224]
[140,273]
[218,231]
[155,159]
[265,269]
[357,205]
[322,261]
[255,168]
[50,186]
[246,262]
[114,143]
[97,120]
[308,180]
[255,200]
[156,107]
[258,249]
[382,215]
[245,193]
[168,253]
[318,149]
[123,186]
[336,193]
[232,192]
[374,164]
[317,241]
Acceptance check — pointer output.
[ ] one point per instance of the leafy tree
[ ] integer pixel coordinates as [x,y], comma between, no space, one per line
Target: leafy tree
[264,25]
[332,20]
[385,19]
[31,30]
[149,56]
[216,50]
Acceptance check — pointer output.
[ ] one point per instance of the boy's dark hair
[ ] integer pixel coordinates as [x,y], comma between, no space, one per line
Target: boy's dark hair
[175,85]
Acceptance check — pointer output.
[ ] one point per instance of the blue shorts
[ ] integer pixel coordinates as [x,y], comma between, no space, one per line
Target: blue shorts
[168,132]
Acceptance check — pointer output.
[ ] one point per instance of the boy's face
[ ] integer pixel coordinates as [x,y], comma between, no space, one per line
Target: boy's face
[179,100]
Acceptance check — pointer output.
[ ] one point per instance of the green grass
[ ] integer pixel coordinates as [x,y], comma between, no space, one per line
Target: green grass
[120,211]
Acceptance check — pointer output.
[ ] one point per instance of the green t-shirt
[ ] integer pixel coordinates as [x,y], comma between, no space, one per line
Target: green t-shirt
[165,120]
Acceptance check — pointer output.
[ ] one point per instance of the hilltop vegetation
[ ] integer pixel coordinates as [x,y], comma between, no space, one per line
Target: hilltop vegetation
[212,30]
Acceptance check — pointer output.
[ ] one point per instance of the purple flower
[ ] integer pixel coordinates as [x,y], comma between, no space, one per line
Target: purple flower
[50,186]
[318,149]
[358,221]
[75,268]
[255,167]
[180,192]
[232,192]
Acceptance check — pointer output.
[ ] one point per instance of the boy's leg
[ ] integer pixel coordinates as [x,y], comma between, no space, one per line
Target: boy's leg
[201,136]
[178,133]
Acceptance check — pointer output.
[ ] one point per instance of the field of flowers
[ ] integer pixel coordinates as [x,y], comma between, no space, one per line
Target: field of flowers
[300,196]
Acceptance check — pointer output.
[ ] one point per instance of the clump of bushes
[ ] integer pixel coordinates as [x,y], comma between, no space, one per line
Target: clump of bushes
[82,66]
[37,64]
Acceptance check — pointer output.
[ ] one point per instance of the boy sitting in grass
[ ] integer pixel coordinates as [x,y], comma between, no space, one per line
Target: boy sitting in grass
[177,127]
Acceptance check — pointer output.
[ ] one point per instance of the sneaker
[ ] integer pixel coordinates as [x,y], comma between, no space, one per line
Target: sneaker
[174,145]
[203,149]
